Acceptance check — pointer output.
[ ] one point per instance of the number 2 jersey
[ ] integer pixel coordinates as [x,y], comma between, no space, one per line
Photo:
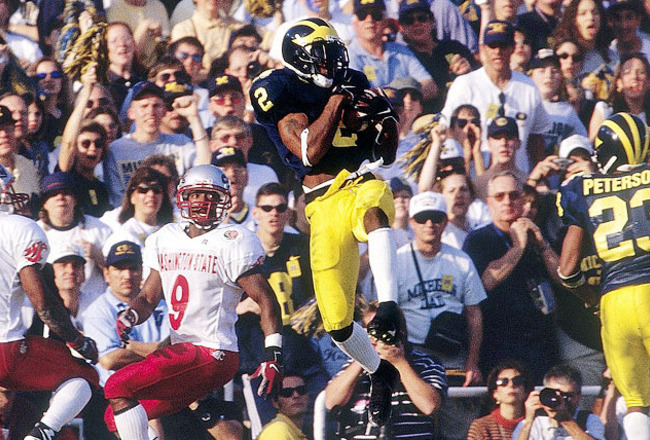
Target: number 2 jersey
[613,211]
[199,280]
[278,93]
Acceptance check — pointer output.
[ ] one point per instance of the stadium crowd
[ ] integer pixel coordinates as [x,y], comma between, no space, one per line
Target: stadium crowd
[105,106]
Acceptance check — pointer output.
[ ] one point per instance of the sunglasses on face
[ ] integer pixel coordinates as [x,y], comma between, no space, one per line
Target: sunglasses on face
[101,102]
[282,207]
[87,142]
[168,75]
[54,75]
[375,14]
[421,17]
[288,392]
[223,99]
[517,381]
[435,217]
[463,122]
[512,195]
[196,58]
[144,189]
[575,57]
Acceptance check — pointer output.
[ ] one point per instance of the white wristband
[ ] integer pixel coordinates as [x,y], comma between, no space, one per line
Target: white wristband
[303,148]
[273,340]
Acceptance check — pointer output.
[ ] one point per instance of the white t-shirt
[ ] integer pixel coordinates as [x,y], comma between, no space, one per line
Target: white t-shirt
[564,123]
[22,244]
[451,282]
[522,102]
[128,153]
[93,231]
[199,279]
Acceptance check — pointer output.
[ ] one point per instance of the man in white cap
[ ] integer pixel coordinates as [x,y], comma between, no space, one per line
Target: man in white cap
[437,284]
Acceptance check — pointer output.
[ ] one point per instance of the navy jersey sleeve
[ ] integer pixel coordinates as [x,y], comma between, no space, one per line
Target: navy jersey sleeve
[571,205]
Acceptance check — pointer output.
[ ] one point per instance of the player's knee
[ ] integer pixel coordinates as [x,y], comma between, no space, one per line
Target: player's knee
[342,334]
[375,218]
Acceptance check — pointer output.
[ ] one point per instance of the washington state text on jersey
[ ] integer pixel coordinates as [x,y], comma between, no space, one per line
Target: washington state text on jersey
[178,261]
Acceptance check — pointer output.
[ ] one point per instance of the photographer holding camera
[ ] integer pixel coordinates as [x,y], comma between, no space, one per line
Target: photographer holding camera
[552,413]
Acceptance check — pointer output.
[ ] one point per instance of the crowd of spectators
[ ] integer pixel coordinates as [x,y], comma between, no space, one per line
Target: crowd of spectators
[518,89]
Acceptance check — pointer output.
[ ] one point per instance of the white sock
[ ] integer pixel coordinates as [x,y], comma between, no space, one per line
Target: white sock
[132,424]
[67,401]
[636,426]
[359,348]
[153,435]
[382,256]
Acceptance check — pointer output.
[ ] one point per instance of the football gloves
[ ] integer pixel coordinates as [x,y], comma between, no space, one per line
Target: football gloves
[86,347]
[126,319]
[270,371]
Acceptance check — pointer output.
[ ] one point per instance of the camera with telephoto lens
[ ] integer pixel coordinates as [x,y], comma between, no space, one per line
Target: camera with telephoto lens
[552,398]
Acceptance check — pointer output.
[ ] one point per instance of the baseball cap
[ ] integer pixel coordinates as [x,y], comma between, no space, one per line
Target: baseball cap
[573,142]
[369,4]
[57,182]
[407,6]
[499,32]
[175,90]
[5,116]
[143,88]
[222,83]
[451,149]
[406,83]
[503,124]
[544,57]
[124,252]
[398,184]
[228,154]
[65,251]
[427,202]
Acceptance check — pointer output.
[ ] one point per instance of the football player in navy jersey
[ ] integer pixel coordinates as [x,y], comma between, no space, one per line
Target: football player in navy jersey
[332,130]
[612,210]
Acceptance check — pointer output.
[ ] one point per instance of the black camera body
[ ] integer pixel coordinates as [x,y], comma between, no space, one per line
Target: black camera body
[552,398]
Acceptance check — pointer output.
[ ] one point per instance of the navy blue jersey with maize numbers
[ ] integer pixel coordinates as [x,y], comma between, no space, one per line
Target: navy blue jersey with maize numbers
[614,211]
[277,93]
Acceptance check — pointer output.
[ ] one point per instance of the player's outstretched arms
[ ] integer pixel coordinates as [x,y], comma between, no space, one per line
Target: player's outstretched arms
[311,142]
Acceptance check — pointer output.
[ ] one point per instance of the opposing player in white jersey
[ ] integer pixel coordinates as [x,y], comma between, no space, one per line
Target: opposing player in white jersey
[201,267]
[33,363]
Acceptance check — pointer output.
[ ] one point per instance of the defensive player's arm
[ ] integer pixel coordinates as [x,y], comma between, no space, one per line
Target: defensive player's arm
[148,298]
[320,133]
[48,305]
[570,264]
[257,287]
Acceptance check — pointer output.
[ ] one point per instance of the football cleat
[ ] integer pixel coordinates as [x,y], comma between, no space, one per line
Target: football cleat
[382,384]
[41,432]
[385,325]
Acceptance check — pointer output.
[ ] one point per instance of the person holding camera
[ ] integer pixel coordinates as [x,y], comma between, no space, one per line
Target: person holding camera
[416,398]
[552,413]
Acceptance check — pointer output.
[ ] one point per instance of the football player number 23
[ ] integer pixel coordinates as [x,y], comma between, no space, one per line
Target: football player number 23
[179,298]
[611,242]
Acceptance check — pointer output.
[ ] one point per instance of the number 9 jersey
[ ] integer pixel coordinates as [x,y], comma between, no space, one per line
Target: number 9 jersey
[613,211]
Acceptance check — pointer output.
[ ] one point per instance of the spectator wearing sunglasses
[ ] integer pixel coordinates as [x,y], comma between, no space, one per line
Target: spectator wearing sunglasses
[561,420]
[415,401]
[383,61]
[146,207]
[292,403]
[503,144]
[508,386]
[498,91]
[444,60]
[516,266]
[54,89]
[437,283]
[189,51]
